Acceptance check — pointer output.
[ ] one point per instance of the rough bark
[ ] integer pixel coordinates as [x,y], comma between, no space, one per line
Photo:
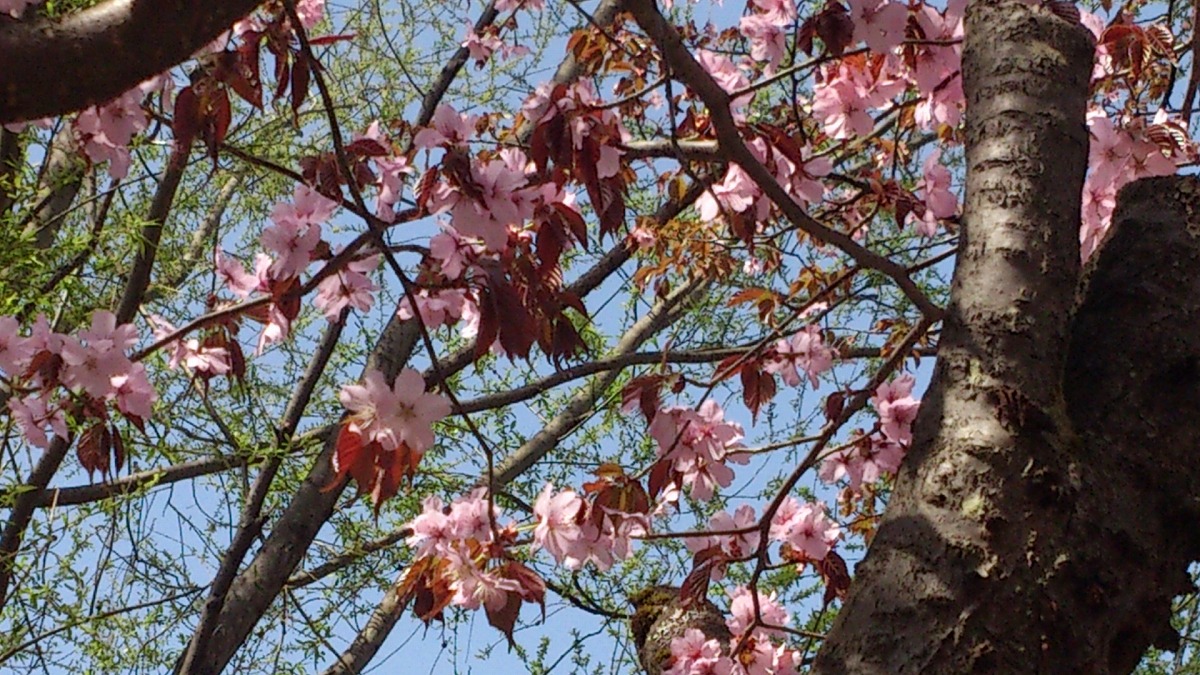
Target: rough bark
[954,579]
[100,52]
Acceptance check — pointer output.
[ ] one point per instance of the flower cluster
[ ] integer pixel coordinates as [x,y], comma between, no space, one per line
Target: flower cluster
[576,532]
[805,351]
[693,653]
[92,366]
[874,456]
[698,444]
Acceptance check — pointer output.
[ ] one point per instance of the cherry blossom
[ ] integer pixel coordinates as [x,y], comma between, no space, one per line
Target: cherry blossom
[558,530]
[33,414]
[204,360]
[105,131]
[733,545]
[92,362]
[436,308]
[449,128]
[741,611]
[806,351]
[480,47]
[15,351]
[431,529]
[698,443]
[296,231]
[15,8]
[879,23]
[403,413]
[694,654]
[806,528]
[349,287]
[896,407]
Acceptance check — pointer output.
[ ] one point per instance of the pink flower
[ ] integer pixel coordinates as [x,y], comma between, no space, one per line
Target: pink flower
[480,47]
[404,413]
[736,193]
[93,362]
[727,75]
[392,175]
[897,408]
[134,393]
[296,231]
[643,237]
[807,351]
[512,5]
[842,110]
[449,128]
[806,528]
[733,545]
[694,654]
[474,588]
[741,611]
[558,531]
[15,8]
[202,360]
[453,253]
[768,39]
[431,529]
[878,23]
[698,443]
[435,307]
[310,12]
[32,414]
[350,287]
[235,276]
[15,351]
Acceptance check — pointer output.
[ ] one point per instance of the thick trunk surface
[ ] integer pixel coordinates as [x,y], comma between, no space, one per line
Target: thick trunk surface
[1043,520]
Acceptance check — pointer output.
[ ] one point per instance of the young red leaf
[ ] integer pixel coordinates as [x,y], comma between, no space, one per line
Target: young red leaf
[503,617]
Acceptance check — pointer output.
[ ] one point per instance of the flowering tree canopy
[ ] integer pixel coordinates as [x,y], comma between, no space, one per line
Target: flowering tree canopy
[830,335]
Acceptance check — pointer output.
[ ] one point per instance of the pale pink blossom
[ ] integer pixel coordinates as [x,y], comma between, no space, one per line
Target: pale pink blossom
[349,287]
[403,413]
[134,394]
[392,175]
[431,529]
[806,528]
[878,23]
[15,8]
[741,611]
[33,415]
[733,545]
[435,307]
[480,47]
[449,128]
[694,653]
[15,351]
[699,443]
[896,407]
[558,531]
[806,351]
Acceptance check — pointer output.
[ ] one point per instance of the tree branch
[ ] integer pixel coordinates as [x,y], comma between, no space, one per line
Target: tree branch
[98,53]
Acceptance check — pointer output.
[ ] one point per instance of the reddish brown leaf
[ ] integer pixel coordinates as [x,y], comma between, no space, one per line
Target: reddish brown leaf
[660,477]
[834,572]
[118,446]
[834,404]
[835,28]
[93,449]
[331,39]
[504,617]
[186,124]
[695,585]
[758,388]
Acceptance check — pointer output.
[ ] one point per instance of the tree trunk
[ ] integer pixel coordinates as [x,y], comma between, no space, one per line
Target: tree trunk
[1042,521]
